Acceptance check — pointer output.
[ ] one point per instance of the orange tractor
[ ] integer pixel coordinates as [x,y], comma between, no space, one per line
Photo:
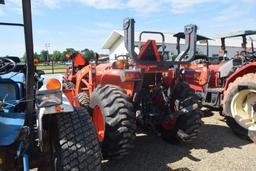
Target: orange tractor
[229,86]
[142,89]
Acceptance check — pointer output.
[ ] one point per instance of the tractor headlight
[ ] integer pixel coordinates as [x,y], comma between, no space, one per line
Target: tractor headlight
[47,98]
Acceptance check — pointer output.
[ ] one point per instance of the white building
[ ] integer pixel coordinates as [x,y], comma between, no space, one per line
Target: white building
[115,44]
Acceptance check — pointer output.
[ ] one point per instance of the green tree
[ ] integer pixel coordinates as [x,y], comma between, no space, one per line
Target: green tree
[37,56]
[57,55]
[24,58]
[63,56]
[88,54]
[44,56]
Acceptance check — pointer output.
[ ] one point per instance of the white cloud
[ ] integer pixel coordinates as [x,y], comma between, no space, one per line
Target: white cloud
[139,6]
[182,6]
[1,12]
[103,4]
[16,6]
[105,25]
[52,4]
[230,13]
[144,6]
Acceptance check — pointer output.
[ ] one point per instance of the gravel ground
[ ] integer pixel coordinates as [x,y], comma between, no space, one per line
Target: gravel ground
[216,149]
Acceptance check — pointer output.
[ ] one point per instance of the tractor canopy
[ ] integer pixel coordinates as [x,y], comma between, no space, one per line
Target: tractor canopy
[200,38]
[181,35]
[244,34]
[240,34]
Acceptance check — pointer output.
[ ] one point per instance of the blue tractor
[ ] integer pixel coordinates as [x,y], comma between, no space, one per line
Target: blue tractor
[37,121]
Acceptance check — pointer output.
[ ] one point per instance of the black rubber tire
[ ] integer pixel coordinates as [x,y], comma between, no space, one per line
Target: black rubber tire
[76,146]
[83,99]
[250,81]
[120,124]
[189,123]
[68,85]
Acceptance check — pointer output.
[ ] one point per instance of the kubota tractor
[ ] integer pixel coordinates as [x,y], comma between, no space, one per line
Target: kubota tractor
[139,89]
[229,86]
[38,125]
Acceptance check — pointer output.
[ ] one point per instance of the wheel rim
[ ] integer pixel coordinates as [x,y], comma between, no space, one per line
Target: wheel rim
[242,109]
[99,122]
[169,125]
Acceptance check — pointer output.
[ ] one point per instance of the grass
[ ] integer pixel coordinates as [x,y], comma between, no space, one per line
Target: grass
[58,69]
[49,67]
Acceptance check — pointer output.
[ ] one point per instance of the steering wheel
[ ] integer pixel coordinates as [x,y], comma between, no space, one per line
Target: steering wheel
[6,65]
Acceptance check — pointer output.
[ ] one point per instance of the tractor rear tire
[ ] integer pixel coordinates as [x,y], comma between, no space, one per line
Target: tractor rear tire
[75,143]
[83,99]
[119,120]
[187,124]
[237,100]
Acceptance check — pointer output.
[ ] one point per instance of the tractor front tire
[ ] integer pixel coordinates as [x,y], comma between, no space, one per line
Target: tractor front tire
[75,143]
[68,85]
[239,106]
[119,120]
[83,99]
[187,126]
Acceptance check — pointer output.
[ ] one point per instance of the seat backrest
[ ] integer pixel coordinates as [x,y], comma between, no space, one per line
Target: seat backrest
[9,90]
[12,85]
[149,52]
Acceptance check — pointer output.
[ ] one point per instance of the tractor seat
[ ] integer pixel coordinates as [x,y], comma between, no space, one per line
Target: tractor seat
[13,85]
[149,52]
[10,126]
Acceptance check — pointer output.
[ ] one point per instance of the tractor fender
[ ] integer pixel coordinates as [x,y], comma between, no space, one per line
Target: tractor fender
[248,68]
[46,112]
[113,76]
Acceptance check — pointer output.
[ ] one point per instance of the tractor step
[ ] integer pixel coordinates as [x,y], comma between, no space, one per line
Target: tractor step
[214,90]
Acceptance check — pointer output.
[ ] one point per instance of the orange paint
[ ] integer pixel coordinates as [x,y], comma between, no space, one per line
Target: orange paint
[79,60]
[99,123]
[53,84]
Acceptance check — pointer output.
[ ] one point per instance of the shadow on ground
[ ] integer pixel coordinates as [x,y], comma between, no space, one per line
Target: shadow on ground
[152,153]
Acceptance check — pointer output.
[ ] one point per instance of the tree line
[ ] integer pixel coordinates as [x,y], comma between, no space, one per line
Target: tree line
[57,56]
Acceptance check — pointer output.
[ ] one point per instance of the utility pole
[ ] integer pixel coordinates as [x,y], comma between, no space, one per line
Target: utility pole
[47,46]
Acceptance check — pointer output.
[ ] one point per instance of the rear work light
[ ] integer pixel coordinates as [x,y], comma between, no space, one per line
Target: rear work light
[130,75]
[53,83]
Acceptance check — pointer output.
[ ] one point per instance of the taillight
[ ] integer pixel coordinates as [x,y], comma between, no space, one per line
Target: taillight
[53,84]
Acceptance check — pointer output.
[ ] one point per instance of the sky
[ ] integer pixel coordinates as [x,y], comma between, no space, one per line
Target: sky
[84,24]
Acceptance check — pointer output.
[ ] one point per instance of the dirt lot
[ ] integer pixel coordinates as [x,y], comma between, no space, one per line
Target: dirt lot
[216,149]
